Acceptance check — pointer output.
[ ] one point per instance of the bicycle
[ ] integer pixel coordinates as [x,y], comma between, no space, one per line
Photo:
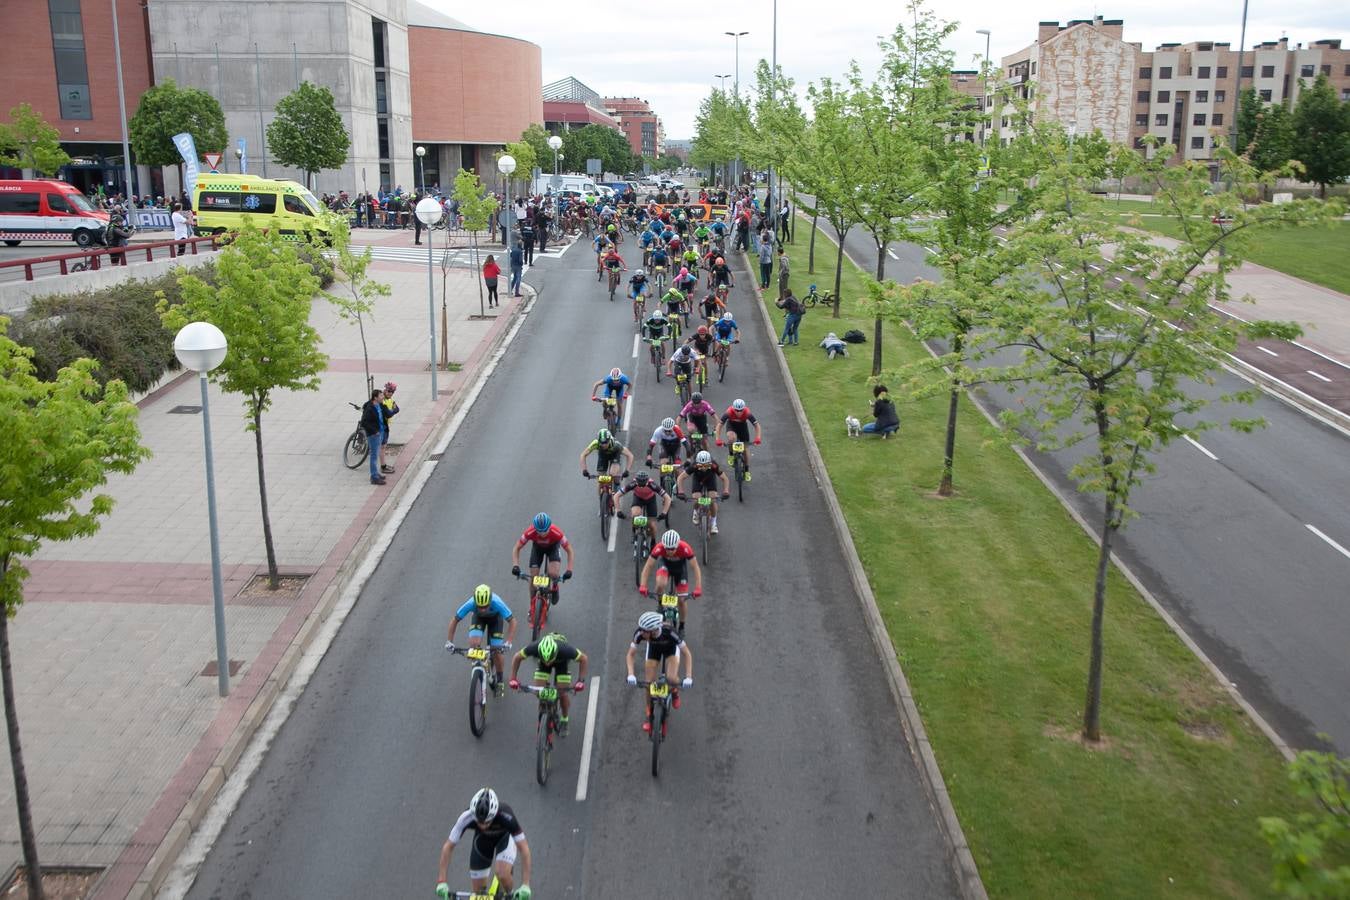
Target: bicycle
[704,504]
[550,718]
[494,891]
[613,282]
[670,609]
[737,461]
[657,351]
[606,483]
[682,389]
[813,298]
[610,411]
[355,449]
[482,682]
[658,692]
[669,474]
[543,594]
[639,308]
[642,546]
[659,278]
[722,355]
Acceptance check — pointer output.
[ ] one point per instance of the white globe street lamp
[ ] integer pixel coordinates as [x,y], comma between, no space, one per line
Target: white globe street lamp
[429,212]
[506,164]
[422,166]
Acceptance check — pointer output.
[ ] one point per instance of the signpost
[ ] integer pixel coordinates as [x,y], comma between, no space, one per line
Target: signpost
[213,160]
[594,167]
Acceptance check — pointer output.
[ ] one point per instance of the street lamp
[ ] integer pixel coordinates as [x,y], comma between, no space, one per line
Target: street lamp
[985,125]
[200,347]
[506,164]
[429,212]
[555,143]
[422,166]
[722,84]
[736,88]
[239,159]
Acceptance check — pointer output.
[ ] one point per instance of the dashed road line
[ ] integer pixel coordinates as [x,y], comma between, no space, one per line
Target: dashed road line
[588,739]
[1201,447]
[1318,376]
[1313,528]
[1264,350]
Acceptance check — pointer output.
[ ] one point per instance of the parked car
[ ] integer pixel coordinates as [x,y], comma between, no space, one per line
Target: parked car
[46,210]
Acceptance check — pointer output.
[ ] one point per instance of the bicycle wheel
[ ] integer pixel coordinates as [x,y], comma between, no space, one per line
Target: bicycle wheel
[705,526]
[604,515]
[657,361]
[740,478]
[722,365]
[355,451]
[477,701]
[639,555]
[538,603]
[543,748]
[658,729]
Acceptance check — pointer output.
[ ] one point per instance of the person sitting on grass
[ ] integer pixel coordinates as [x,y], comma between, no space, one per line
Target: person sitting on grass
[887,422]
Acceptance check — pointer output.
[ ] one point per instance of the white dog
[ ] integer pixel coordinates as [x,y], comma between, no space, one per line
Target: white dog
[854,426]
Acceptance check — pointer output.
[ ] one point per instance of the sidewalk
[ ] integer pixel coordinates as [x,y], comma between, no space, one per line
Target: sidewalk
[121,726]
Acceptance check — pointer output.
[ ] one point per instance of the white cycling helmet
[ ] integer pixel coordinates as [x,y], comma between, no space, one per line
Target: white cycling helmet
[703,458]
[616,372]
[726,317]
[658,314]
[484,805]
[640,273]
[738,404]
[650,621]
[671,539]
[667,424]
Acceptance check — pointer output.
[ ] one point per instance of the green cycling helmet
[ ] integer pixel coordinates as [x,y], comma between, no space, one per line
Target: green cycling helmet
[604,437]
[548,648]
[482,595]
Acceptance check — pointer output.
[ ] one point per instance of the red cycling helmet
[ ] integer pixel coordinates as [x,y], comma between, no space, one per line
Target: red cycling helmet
[702,330]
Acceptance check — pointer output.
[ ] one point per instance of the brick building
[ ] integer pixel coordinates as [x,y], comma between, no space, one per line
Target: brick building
[639,124]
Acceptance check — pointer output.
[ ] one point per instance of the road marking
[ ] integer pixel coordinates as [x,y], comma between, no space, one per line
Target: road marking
[1313,529]
[891,253]
[627,412]
[1094,268]
[613,532]
[929,250]
[636,341]
[584,777]
[1264,350]
[1197,445]
[1322,377]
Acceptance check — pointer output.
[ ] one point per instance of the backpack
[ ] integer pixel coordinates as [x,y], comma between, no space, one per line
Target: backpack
[854,336]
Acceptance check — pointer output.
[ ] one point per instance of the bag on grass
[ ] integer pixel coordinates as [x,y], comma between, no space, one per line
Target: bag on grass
[854,336]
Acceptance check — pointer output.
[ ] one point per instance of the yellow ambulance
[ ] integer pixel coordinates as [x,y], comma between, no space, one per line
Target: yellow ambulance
[225,202]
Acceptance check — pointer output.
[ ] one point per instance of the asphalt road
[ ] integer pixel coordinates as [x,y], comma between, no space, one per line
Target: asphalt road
[786,772]
[1225,544]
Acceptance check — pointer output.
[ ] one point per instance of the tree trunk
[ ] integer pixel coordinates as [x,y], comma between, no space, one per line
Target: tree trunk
[838,276]
[365,354]
[1092,725]
[876,325]
[811,251]
[27,837]
[273,579]
[949,450]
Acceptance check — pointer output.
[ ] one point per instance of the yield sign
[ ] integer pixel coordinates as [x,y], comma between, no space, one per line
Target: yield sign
[213,160]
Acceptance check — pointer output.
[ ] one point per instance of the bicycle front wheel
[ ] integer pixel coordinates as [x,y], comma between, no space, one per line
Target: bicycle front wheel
[543,748]
[355,451]
[538,611]
[477,701]
[721,366]
[740,479]
[705,528]
[658,735]
[604,515]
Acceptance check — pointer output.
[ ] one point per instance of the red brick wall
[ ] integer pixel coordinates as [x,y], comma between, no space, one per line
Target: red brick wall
[28,70]
[472,87]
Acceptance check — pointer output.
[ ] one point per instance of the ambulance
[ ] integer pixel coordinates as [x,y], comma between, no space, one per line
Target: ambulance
[225,202]
[47,211]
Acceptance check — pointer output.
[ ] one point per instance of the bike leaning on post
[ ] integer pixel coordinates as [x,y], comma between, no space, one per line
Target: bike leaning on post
[355,449]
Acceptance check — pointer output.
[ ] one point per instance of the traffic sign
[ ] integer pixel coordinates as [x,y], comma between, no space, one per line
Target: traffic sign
[213,160]
[555,181]
[594,166]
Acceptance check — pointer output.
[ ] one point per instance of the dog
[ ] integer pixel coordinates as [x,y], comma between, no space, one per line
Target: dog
[853,425]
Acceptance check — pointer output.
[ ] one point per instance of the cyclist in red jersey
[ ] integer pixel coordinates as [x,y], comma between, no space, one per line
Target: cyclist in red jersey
[737,421]
[649,499]
[675,557]
[545,540]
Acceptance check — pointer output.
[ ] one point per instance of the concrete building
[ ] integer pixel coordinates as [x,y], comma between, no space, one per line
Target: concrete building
[570,104]
[681,148]
[639,124]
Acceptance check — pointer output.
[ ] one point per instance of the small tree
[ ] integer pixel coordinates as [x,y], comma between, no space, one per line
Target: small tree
[307,132]
[476,206]
[166,110]
[537,138]
[524,155]
[824,166]
[67,436]
[358,300]
[261,301]
[1322,134]
[27,141]
[1311,855]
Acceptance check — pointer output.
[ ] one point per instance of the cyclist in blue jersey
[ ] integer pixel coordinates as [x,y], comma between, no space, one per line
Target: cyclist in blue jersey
[616,384]
[726,329]
[490,614]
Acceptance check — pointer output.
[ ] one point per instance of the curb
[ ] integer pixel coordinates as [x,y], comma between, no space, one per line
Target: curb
[1288,393]
[963,861]
[165,855]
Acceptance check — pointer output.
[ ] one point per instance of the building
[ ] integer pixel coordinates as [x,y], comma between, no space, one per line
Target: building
[968,83]
[473,93]
[1087,77]
[570,104]
[681,148]
[639,124]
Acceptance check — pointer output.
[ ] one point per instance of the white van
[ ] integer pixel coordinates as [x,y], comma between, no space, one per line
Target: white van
[584,184]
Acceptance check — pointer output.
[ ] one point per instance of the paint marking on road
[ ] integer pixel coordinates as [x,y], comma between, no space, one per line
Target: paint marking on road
[1316,375]
[627,413]
[637,338]
[891,253]
[1131,269]
[587,741]
[1264,350]
[929,250]
[613,532]
[1094,268]
[1197,445]
[1313,529]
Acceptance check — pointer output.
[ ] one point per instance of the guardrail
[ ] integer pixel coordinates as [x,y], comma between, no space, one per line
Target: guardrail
[92,259]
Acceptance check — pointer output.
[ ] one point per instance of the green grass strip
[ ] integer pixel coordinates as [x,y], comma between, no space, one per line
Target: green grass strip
[987,597]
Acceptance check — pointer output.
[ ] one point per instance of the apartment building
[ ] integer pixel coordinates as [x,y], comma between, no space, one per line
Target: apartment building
[639,124]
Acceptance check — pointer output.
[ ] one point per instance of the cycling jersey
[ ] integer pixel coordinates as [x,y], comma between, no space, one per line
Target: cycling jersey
[702,343]
[739,422]
[607,454]
[719,228]
[666,643]
[599,242]
[722,274]
[496,608]
[646,239]
[674,561]
[704,478]
[652,490]
[665,438]
[488,838]
[554,537]
[698,414]
[638,283]
[659,257]
[613,260]
[612,385]
[566,653]
[725,328]
[683,357]
[673,299]
[655,328]
[711,306]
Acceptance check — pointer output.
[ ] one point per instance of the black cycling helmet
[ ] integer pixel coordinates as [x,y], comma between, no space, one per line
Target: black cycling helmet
[642,478]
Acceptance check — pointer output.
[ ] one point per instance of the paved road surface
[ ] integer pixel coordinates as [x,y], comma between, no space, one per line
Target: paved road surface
[786,773]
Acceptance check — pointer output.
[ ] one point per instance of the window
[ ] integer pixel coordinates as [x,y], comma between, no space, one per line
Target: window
[1143,96]
[1146,72]
[1164,96]
[72,72]
[1221,72]
[1326,70]
[1141,120]
[1220,96]
[1197,143]
[381,95]
[1247,72]
[1033,68]
[1203,72]
[1347,68]
[1345,93]
[377,29]
[1265,95]
[293,205]
[1165,72]
[57,203]
[1160,119]
[19,203]
[1198,119]
[383,128]
[1306,71]
[1139,142]
[236,201]
[1267,71]
[1202,96]
[1216,119]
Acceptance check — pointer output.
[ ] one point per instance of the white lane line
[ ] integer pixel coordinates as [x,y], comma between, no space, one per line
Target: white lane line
[1197,445]
[613,532]
[891,253]
[584,777]
[636,340]
[1264,350]
[929,250]
[1313,529]
[1094,268]
[1322,377]
[627,412]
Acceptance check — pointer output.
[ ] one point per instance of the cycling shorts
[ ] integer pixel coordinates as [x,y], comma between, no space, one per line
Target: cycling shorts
[493,626]
[740,429]
[703,483]
[685,368]
[483,852]
[650,507]
[700,423]
[539,551]
[559,672]
[677,570]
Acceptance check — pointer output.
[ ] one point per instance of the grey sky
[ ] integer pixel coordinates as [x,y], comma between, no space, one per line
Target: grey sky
[673,68]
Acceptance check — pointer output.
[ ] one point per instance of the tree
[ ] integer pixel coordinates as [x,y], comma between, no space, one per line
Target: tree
[66,437]
[718,131]
[597,142]
[1311,855]
[166,110]
[523,154]
[358,301]
[260,300]
[823,166]
[537,138]
[476,206]
[27,141]
[1265,133]
[1092,306]
[1322,134]
[307,133]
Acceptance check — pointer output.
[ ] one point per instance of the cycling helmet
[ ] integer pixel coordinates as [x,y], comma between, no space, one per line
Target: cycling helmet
[542,522]
[667,424]
[482,595]
[696,398]
[702,330]
[548,649]
[616,372]
[611,229]
[721,261]
[650,621]
[390,387]
[603,436]
[671,539]
[726,317]
[484,805]
[738,404]
[642,479]
[703,458]
[659,314]
[640,273]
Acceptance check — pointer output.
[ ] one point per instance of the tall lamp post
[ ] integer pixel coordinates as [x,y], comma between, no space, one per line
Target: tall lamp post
[555,144]
[506,164]
[736,86]
[239,160]
[121,105]
[429,212]
[422,168]
[200,347]
[985,125]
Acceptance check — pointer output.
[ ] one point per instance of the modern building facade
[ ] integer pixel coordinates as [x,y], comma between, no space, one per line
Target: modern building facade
[639,124]
[568,104]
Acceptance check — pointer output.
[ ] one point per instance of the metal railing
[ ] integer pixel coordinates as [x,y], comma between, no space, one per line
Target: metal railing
[83,260]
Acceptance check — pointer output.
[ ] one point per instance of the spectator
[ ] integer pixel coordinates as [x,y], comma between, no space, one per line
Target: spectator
[785,219]
[542,221]
[782,271]
[417,221]
[372,423]
[527,239]
[794,309]
[491,272]
[765,262]
[390,410]
[119,234]
[180,230]
[834,346]
[883,411]
[517,267]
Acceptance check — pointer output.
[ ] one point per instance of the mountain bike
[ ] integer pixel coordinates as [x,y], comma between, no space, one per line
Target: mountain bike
[657,351]
[704,505]
[482,682]
[737,461]
[639,308]
[659,278]
[613,282]
[659,693]
[494,891]
[682,388]
[606,482]
[669,473]
[670,610]
[550,717]
[722,354]
[543,594]
[355,449]
[642,547]
[610,411]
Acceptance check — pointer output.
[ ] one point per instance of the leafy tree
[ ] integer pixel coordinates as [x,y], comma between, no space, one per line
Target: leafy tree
[823,167]
[1322,134]
[524,156]
[476,206]
[27,141]
[1311,855]
[67,435]
[537,138]
[307,133]
[361,291]
[1092,304]
[261,301]
[166,110]
[668,162]
[1265,133]
[719,130]
[597,142]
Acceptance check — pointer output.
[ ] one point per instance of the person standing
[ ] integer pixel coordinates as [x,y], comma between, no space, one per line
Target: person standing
[765,261]
[541,225]
[785,219]
[517,267]
[372,423]
[417,221]
[119,234]
[180,229]
[794,309]
[390,410]
[783,267]
[491,272]
[527,239]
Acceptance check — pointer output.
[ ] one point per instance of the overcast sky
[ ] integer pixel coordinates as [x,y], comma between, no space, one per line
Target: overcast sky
[673,68]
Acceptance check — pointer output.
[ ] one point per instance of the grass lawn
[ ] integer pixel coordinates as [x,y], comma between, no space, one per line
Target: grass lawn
[987,597]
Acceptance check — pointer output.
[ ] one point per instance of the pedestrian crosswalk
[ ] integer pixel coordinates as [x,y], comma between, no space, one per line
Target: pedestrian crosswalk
[453,257]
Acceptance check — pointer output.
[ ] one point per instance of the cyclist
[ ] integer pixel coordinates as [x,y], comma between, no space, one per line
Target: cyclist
[686,280]
[721,273]
[555,655]
[702,341]
[612,230]
[659,257]
[638,286]
[671,439]
[690,260]
[726,329]
[489,612]
[656,326]
[712,307]
[702,233]
[646,241]
[612,260]
[599,243]
[676,557]
[609,454]
[737,421]
[684,361]
[647,494]
[695,415]
[665,648]
[674,301]
[497,837]
[545,540]
[703,473]
[614,383]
